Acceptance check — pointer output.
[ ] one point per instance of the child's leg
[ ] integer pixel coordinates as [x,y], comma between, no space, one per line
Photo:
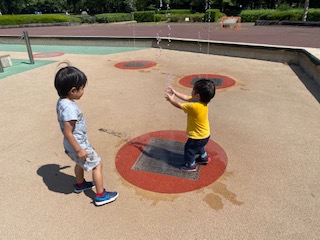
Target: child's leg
[81,184]
[78,171]
[97,178]
[102,196]
[202,152]
[190,151]
[203,143]
[203,158]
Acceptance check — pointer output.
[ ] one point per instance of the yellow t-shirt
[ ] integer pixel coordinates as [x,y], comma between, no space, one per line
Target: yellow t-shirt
[198,126]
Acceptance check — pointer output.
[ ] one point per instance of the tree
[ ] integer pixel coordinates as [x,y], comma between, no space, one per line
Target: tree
[12,7]
[74,4]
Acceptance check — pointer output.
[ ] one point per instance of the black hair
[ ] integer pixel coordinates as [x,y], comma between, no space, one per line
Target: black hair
[67,78]
[205,88]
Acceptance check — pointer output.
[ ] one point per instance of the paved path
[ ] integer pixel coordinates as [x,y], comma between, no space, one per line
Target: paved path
[273,35]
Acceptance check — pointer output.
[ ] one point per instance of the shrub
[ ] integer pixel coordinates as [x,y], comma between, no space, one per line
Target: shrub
[196,17]
[177,11]
[160,18]
[253,15]
[213,15]
[86,18]
[284,15]
[30,19]
[313,15]
[144,16]
[113,17]
[288,15]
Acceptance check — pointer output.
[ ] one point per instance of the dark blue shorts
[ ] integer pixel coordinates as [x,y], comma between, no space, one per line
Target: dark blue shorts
[193,148]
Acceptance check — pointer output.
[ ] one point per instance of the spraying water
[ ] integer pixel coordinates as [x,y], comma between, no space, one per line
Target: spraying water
[132,18]
[169,78]
[208,7]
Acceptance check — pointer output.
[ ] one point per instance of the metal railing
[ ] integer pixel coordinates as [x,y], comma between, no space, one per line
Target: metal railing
[25,36]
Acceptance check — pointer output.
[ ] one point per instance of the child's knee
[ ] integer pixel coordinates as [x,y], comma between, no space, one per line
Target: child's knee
[98,167]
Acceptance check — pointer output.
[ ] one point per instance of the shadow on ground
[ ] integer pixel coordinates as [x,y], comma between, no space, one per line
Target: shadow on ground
[56,180]
[310,84]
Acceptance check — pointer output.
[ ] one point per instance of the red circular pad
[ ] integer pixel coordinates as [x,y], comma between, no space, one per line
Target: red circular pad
[227,81]
[48,54]
[137,64]
[129,153]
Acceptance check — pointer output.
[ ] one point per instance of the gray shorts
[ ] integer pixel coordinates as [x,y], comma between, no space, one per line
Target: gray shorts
[91,161]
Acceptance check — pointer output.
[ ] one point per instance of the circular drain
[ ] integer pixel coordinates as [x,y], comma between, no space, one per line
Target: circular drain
[137,64]
[220,81]
[151,162]
[48,54]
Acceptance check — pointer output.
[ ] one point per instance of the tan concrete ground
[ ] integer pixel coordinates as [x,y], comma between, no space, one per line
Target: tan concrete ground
[268,124]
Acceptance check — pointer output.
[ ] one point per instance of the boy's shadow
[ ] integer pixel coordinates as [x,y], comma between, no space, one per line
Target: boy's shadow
[58,181]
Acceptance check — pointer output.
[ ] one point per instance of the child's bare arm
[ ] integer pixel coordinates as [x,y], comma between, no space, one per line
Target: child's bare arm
[67,132]
[182,96]
[170,97]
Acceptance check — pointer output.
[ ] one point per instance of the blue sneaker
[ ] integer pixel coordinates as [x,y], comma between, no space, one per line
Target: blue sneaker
[105,198]
[85,186]
[189,167]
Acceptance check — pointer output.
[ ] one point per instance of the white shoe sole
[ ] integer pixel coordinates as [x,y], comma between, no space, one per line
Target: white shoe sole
[106,201]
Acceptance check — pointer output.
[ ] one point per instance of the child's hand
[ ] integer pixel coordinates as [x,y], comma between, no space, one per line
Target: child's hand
[82,154]
[170,90]
[169,95]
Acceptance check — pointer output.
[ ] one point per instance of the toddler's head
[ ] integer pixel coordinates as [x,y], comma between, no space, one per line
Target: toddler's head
[67,78]
[205,88]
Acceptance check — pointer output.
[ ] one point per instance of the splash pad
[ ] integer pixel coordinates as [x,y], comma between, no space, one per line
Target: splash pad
[151,162]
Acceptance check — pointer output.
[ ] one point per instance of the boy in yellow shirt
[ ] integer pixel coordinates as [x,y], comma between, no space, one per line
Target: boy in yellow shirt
[198,127]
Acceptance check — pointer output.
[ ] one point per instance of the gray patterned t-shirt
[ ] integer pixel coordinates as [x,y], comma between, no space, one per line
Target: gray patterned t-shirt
[68,110]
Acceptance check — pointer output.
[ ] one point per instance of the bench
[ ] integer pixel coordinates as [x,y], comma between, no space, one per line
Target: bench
[231,22]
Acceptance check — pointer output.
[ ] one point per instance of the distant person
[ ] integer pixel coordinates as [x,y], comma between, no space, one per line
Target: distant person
[198,127]
[69,83]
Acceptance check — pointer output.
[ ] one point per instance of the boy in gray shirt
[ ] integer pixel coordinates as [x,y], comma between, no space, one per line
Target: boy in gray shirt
[70,83]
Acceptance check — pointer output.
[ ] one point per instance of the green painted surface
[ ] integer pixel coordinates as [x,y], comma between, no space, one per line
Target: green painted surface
[22,65]
[91,50]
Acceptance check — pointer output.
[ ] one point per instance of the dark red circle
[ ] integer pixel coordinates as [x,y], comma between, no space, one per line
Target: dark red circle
[227,81]
[129,153]
[48,54]
[136,64]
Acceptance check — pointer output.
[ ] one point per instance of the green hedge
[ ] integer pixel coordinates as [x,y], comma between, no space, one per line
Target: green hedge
[86,18]
[284,15]
[30,19]
[113,17]
[144,16]
[253,15]
[213,15]
[268,14]
[196,17]
[177,11]
[314,15]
